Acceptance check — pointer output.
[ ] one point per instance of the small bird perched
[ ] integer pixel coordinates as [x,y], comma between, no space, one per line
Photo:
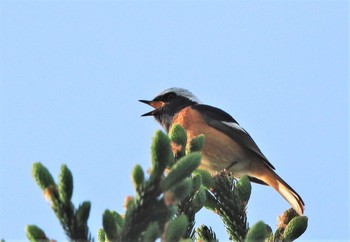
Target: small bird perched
[227,145]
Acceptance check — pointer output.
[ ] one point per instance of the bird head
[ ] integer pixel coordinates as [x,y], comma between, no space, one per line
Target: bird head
[169,102]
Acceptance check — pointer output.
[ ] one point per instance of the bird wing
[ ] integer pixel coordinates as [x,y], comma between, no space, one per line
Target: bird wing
[224,122]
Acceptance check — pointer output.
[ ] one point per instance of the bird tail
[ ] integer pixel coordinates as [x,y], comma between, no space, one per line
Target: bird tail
[268,176]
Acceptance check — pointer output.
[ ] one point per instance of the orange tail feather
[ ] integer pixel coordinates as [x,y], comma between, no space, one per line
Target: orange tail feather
[268,176]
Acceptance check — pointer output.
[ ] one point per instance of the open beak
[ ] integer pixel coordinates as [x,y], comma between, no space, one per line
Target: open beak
[155,104]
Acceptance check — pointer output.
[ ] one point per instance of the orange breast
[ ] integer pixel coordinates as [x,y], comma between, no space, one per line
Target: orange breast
[219,150]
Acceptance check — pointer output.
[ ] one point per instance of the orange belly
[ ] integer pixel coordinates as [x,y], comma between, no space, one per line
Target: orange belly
[219,150]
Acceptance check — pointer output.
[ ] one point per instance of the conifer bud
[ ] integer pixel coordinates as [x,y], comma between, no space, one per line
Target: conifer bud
[110,225]
[119,219]
[182,169]
[65,185]
[129,202]
[295,228]
[257,233]
[42,176]
[176,228]
[244,189]
[161,153]
[138,176]
[101,235]
[178,135]
[199,199]
[178,192]
[286,217]
[34,233]
[83,212]
[196,182]
[196,144]
[277,236]
[178,138]
[207,179]
[151,233]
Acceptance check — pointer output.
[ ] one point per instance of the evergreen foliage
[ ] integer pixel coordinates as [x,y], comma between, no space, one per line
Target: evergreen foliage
[73,221]
[165,201]
[34,233]
[230,200]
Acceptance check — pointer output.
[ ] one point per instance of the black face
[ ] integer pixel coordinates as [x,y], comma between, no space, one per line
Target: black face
[166,106]
[167,97]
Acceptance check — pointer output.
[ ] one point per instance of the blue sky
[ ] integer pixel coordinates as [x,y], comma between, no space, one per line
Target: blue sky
[72,72]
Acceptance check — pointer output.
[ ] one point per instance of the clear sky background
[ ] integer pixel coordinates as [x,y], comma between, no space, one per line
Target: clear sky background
[72,72]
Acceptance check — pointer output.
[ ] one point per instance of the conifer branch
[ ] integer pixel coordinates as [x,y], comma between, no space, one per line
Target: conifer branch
[206,234]
[166,201]
[73,221]
[229,200]
[150,214]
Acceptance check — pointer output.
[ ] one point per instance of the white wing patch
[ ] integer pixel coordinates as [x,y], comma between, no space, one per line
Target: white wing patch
[234,125]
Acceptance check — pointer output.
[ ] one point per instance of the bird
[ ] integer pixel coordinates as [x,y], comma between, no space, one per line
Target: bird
[227,145]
